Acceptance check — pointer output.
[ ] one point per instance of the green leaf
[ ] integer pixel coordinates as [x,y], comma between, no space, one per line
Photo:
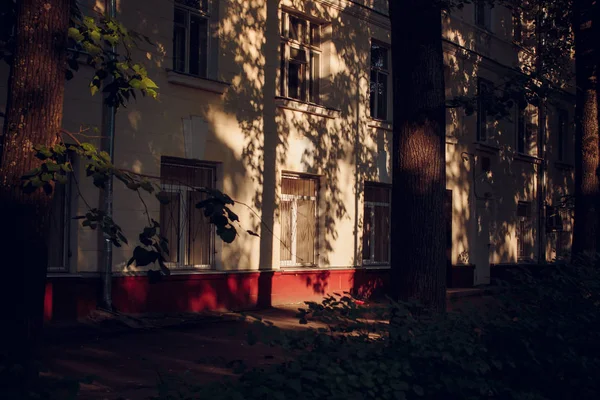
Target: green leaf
[149,83]
[52,167]
[88,147]
[136,84]
[75,34]
[62,179]
[47,177]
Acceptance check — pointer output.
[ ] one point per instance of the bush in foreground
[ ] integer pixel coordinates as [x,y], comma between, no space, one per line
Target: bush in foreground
[539,338]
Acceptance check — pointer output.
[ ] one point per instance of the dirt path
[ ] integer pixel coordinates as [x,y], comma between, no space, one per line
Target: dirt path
[128,365]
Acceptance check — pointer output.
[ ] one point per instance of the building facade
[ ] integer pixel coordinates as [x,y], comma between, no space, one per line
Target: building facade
[286,105]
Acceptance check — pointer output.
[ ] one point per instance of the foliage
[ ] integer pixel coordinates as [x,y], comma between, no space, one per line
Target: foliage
[538,339]
[545,69]
[106,45]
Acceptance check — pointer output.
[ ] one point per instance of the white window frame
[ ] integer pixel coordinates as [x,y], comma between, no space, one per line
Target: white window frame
[294,217]
[310,49]
[183,192]
[204,14]
[385,71]
[371,206]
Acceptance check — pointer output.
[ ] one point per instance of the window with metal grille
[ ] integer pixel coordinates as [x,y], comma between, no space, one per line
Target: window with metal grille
[189,232]
[378,90]
[191,37]
[524,231]
[300,58]
[376,225]
[298,220]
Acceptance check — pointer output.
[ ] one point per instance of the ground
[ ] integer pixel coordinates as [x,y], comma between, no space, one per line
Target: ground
[126,362]
[126,357]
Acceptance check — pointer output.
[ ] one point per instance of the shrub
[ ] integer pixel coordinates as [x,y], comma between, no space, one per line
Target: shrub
[537,339]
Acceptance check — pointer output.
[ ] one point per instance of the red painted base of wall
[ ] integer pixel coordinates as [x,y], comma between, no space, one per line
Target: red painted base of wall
[69,298]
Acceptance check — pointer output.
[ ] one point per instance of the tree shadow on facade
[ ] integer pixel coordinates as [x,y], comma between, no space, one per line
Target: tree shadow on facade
[278,139]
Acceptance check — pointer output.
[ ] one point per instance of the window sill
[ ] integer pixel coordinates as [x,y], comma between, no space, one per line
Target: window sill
[528,159]
[381,124]
[564,166]
[308,108]
[487,148]
[196,82]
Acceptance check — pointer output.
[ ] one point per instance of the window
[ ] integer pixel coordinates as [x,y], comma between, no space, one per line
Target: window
[524,232]
[190,37]
[378,89]
[483,14]
[298,220]
[189,232]
[562,133]
[300,58]
[558,224]
[376,225]
[525,131]
[59,224]
[484,92]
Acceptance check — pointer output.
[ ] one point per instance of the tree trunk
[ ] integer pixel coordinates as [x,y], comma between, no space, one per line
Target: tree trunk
[418,237]
[33,116]
[587,155]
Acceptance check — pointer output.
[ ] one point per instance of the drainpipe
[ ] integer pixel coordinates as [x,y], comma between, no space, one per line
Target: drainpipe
[108,133]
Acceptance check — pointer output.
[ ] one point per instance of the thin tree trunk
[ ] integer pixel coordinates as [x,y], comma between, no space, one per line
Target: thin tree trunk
[587,154]
[419,172]
[33,116]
